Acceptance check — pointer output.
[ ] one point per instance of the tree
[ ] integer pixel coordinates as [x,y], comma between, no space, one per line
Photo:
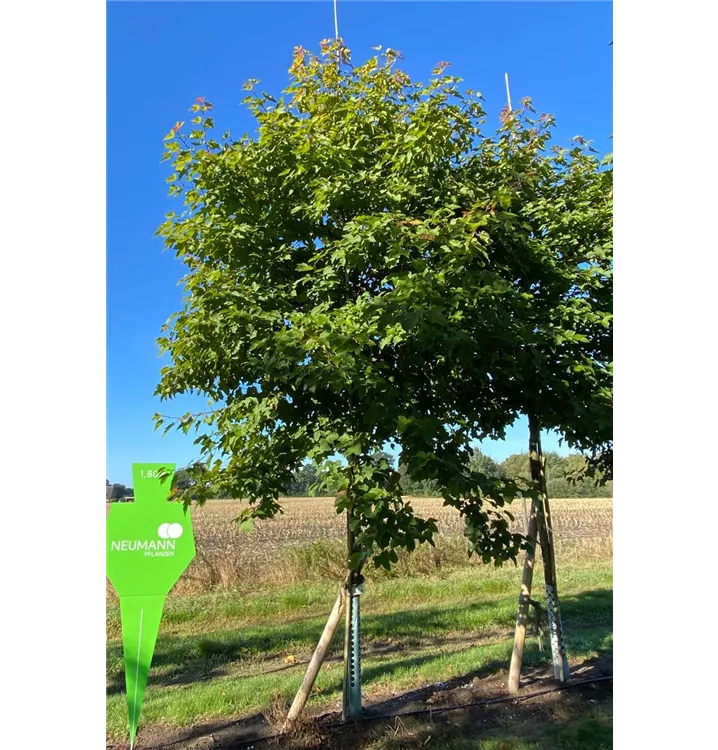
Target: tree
[549,227]
[328,281]
[566,475]
[303,482]
[182,480]
[410,486]
[565,200]
[556,248]
[486,465]
[119,491]
[517,466]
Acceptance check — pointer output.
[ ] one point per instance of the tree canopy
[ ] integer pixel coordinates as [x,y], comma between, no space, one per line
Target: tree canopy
[371,268]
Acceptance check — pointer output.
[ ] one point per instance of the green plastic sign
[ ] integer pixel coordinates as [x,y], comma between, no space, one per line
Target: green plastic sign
[149,545]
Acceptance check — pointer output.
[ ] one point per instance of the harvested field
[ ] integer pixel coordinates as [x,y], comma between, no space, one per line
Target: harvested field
[306,542]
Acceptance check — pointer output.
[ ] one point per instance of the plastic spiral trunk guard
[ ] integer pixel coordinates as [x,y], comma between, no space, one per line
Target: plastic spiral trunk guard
[555,629]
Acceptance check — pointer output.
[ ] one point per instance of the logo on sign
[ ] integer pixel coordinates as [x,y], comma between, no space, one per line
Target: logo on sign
[164,547]
[170,531]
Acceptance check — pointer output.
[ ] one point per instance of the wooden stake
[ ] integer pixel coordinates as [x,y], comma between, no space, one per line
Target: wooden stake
[517,655]
[318,657]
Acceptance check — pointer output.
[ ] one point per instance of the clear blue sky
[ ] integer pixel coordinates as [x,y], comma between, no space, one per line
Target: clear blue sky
[162,55]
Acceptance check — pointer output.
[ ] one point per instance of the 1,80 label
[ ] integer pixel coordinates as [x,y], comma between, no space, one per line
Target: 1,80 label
[150,473]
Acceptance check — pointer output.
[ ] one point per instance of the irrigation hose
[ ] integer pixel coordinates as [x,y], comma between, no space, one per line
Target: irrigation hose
[433,711]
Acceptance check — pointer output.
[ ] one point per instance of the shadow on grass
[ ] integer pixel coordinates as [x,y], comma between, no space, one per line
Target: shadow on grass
[194,658]
[198,658]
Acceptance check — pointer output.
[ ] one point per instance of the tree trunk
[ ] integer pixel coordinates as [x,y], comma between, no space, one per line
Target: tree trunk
[553,610]
[517,655]
[318,657]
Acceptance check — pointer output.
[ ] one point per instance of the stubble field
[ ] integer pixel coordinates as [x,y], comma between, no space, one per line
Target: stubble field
[306,542]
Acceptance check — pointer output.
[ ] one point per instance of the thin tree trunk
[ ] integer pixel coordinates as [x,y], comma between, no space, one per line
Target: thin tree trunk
[318,657]
[517,656]
[553,610]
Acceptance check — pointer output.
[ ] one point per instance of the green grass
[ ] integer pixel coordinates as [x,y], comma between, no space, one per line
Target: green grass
[192,614]
[213,648]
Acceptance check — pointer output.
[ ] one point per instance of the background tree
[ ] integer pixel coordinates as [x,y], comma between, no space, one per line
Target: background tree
[182,480]
[118,491]
[547,216]
[304,482]
[517,467]
[384,459]
[417,488]
[555,246]
[486,465]
[567,476]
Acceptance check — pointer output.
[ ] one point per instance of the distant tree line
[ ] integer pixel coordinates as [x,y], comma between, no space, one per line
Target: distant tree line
[563,473]
[117,491]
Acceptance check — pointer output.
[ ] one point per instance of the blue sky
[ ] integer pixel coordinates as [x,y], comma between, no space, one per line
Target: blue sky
[161,56]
